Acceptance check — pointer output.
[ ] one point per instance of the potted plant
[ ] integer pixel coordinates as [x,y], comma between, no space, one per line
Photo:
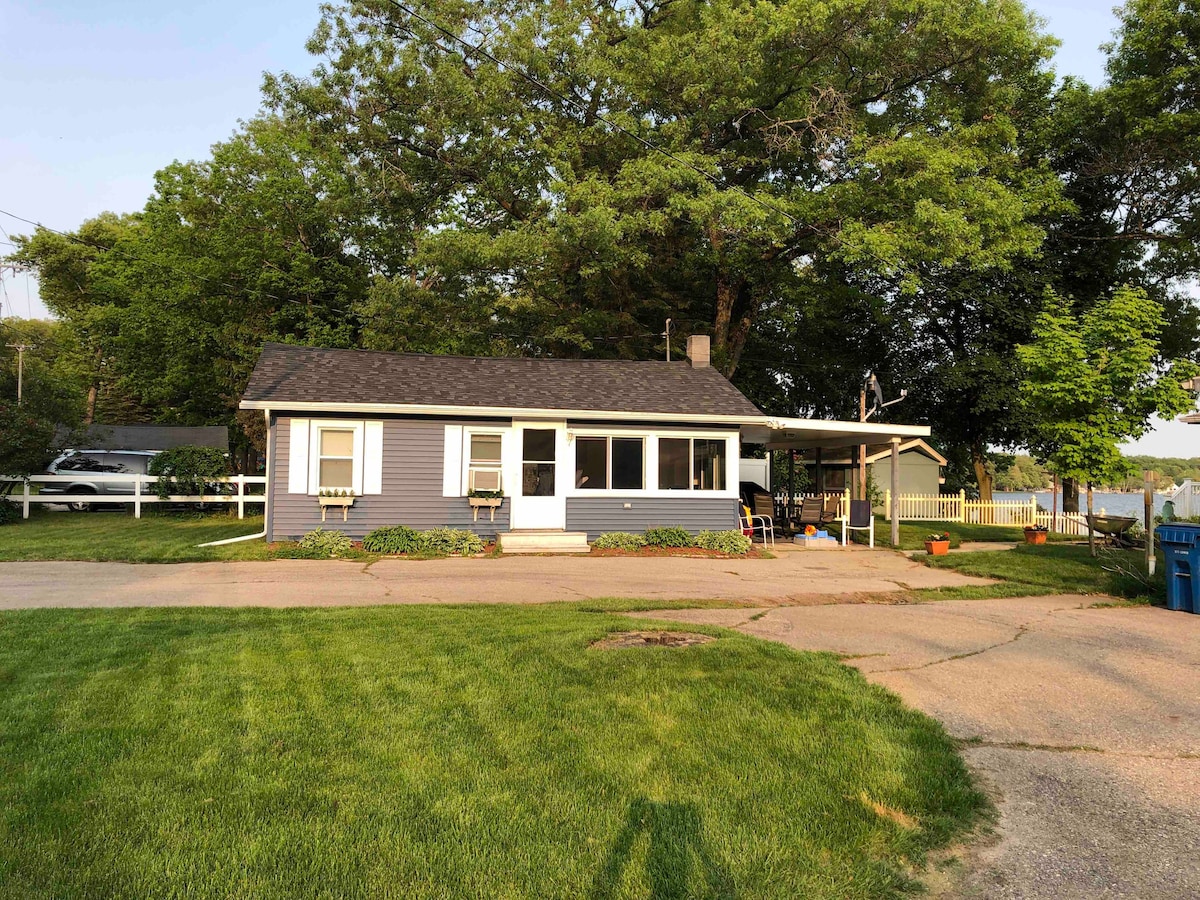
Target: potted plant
[335,497]
[937,544]
[1036,534]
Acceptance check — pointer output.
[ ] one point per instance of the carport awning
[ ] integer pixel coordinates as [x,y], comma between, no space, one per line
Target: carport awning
[809,434]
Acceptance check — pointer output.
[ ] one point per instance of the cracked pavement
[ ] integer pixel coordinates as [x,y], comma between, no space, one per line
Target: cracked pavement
[795,576]
[1083,722]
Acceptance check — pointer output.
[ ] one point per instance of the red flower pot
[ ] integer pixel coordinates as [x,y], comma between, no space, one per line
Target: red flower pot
[1035,537]
[937,548]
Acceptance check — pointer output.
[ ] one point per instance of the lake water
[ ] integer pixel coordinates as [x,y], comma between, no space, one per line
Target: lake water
[1112,503]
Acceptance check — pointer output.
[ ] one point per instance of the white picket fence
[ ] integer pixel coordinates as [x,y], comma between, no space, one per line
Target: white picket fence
[137,490]
[957,508]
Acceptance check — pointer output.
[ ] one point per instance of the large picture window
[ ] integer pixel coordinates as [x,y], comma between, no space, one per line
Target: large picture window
[691,464]
[616,463]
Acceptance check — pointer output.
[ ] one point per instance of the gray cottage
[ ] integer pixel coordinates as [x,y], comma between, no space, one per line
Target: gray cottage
[576,447]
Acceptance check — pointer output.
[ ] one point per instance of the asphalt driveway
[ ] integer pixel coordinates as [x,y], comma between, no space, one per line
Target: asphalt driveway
[1084,722]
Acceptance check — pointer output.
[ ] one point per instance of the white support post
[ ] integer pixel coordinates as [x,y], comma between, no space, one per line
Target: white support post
[137,496]
[241,496]
[25,500]
[887,504]
[1033,509]
[962,506]
[895,492]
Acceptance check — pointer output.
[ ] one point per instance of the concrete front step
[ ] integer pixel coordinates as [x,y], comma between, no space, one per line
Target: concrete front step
[536,541]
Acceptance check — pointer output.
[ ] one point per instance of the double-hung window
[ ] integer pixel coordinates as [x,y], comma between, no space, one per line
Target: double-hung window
[335,459]
[483,467]
[610,463]
[691,464]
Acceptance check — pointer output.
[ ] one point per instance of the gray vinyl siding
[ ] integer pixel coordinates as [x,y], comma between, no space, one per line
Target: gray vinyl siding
[596,515]
[412,488]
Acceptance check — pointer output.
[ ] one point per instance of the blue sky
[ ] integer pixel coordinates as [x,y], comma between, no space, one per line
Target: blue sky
[97,96]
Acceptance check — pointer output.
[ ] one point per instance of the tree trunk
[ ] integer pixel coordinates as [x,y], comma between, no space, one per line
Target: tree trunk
[1070,489]
[983,478]
[89,413]
[1091,534]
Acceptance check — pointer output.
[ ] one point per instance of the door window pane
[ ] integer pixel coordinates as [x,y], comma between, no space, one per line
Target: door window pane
[591,463]
[537,479]
[539,445]
[674,464]
[627,464]
[709,465]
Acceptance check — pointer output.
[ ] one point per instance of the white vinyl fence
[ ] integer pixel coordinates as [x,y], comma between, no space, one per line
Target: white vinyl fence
[957,508]
[138,490]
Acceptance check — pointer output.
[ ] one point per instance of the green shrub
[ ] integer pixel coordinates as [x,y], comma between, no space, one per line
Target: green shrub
[619,540]
[668,536]
[9,512]
[321,544]
[732,542]
[184,470]
[393,539]
[451,541]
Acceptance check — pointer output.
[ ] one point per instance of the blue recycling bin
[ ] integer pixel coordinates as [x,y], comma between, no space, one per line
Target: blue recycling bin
[1180,544]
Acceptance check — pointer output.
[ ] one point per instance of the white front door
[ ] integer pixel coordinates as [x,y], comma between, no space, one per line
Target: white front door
[539,498]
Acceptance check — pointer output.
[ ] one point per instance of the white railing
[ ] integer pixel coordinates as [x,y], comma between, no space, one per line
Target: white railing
[136,490]
[1185,497]
[957,508]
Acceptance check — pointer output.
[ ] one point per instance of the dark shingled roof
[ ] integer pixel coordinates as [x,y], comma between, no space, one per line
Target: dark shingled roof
[146,437]
[290,374]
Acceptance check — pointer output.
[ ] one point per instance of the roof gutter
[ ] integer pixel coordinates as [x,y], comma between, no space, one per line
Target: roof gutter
[501,411]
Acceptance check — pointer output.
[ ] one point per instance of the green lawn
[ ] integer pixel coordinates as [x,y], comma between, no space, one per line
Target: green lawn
[1054,569]
[450,752]
[913,534]
[104,536]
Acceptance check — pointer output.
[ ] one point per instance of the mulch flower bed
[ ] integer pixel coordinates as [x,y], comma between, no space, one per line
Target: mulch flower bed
[686,552]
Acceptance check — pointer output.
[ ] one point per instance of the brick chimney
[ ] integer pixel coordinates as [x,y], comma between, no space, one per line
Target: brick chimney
[698,351]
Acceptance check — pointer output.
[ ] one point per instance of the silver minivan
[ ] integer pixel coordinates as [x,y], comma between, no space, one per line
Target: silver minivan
[88,466]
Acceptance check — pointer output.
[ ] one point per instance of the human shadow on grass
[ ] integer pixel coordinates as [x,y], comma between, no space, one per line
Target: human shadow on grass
[676,846]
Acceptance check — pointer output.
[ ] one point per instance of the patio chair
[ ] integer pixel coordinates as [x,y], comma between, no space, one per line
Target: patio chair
[812,512]
[752,525]
[859,519]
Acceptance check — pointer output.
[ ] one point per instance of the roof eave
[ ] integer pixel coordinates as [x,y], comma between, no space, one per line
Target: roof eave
[499,411]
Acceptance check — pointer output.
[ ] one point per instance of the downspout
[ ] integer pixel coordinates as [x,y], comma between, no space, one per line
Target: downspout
[266,497]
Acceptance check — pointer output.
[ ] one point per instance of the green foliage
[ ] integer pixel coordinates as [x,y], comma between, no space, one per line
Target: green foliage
[1093,382]
[619,540]
[185,470]
[10,513]
[450,542]
[26,439]
[732,542]
[322,544]
[392,539]
[668,536]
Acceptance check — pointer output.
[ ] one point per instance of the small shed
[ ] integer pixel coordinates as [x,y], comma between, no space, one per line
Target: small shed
[920,468]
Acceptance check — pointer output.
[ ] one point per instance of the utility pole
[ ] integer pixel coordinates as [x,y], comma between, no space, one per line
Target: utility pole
[667,334]
[20,348]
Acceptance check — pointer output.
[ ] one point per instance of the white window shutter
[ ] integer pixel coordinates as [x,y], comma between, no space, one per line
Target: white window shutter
[452,461]
[373,458]
[297,462]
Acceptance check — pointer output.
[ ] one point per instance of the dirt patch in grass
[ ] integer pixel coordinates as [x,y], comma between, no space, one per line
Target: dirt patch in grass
[620,640]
